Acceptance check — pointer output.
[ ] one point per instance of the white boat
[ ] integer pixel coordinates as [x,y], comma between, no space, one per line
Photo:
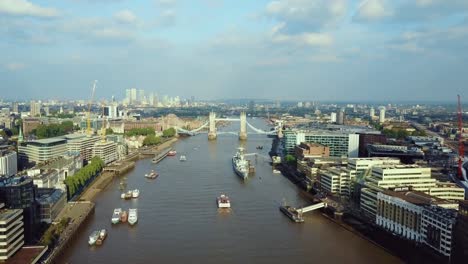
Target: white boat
[223,201]
[276,171]
[183,158]
[122,196]
[93,238]
[240,164]
[116,215]
[132,216]
[135,193]
[102,237]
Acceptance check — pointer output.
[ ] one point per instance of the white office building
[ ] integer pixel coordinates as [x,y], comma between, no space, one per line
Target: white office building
[8,163]
[11,232]
[436,228]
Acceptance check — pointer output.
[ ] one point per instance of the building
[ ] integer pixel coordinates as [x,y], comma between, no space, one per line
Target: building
[340,144]
[460,234]
[436,228]
[44,179]
[448,191]
[406,154]
[333,117]
[382,115]
[51,202]
[36,151]
[8,163]
[82,144]
[371,113]
[311,167]
[341,117]
[19,193]
[366,139]
[29,124]
[311,150]
[35,109]
[15,107]
[11,232]
[107,151]
[111,111]
[336,181]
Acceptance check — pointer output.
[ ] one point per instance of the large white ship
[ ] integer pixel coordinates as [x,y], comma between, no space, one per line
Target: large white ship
[240,164]
[132,216]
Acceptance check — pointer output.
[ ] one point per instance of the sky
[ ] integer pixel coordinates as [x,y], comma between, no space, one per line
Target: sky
[343,50]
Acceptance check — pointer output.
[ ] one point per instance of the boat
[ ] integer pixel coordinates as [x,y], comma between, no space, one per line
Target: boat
[260,147]
[172,153]
[152,175]
[276,171]
[123,216]
[157,158]
[128,195]
[102,237]
[223,201]
[240,164]
[135,193]
[93,238]
[116,215]
[132,216]
[122,196]
[183,158]
[292,213]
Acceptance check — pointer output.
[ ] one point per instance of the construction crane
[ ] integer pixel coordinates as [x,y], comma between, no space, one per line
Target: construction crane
[88,118]
[461,145]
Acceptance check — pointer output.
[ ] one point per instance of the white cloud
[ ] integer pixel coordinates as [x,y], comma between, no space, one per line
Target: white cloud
[304,38]
[372,10]
[126,17]
[14,66]
[26,8]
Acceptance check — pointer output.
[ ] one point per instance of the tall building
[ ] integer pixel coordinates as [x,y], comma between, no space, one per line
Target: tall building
[366,139]
[437,225]
[111,111]
[141,96]
[333,117]
[382,115]
[107,151]
[36,151]
[341,117]
[371,113]
[35,109]
[8,163]
[12,232]
[82,144]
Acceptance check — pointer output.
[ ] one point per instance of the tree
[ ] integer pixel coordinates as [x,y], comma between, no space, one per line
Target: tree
[290,159]
[109,131]
[140,132]
[170,132]
[151,140]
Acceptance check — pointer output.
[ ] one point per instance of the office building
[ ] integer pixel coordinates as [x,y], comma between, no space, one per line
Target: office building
[333,117]
[36,151]
[44,179]
[368,138]
[51,202]
[8,163]
[437,224]
[107,151]
[111,111]
[11,232]
[311,150]
[407,155]
[371,113]
[340,144]
[448,191]
[460,234]
[19,193]
[15,107]
[82,144]
[29,124]
[336,181]
[341,117]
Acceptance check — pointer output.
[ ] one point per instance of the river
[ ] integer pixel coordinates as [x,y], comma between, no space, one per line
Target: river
[179,222]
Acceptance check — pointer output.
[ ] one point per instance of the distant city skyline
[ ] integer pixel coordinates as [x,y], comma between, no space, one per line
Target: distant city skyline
[324,50]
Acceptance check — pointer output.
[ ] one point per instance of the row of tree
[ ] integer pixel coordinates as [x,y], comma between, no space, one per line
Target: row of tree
[53,130]
[80,179]
[151,140]
[140,132]
[402,133]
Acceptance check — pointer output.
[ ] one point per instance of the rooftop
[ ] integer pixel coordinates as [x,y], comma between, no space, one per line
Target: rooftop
[415,197]
[49,140]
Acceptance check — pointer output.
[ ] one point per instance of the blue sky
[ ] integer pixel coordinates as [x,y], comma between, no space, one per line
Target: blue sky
[384,50]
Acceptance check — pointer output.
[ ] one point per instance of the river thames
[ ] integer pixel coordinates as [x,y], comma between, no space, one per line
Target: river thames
[179,222]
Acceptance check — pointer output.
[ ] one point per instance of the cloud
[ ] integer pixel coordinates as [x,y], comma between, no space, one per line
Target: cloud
[305,38]
[306,15]
[125,17]
[14,66]
[165,2]
[372,10]
[26,8]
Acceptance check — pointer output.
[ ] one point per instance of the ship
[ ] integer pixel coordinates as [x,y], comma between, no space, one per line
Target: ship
[157,158]
[132,216]
[172,153]
[127,195]
[102,237]
[240,164]
[123,216]
[135,193]
[183,158]
[93,238]
[292,213]
[152,175]
[223,201]
[116,215]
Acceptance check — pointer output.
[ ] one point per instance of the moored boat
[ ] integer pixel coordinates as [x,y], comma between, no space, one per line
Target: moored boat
[102,237]
[93,238]
[183,158]
[223,201]
[172,153]
[292,213]
[123,216]
[152,175]
[132,216]
[116,215]
[240,164]
[128,195]
[276,171]
[135,193]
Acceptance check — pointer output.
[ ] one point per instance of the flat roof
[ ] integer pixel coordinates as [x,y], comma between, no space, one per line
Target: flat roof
[49,140]
[30,254]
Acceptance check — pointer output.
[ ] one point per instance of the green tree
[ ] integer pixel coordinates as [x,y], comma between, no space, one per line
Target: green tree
[170,132]
[290,159]
[109,131]
[140,132]
[151,140]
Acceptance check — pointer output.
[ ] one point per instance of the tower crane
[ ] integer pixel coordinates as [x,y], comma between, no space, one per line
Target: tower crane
[461,146]
[88,118]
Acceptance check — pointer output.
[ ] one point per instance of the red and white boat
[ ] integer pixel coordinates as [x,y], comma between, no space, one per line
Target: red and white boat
[172,153]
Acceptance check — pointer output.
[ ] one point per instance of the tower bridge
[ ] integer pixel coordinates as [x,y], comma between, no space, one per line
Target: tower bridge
[213,133]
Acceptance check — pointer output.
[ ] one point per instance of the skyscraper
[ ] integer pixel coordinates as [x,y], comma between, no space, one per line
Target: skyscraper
[371,113]
[141,96]
[15,107]
[35,109]
[341,117]
[382,115]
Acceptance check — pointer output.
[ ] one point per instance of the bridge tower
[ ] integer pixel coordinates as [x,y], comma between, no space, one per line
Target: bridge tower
[212,126]
[243,126]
